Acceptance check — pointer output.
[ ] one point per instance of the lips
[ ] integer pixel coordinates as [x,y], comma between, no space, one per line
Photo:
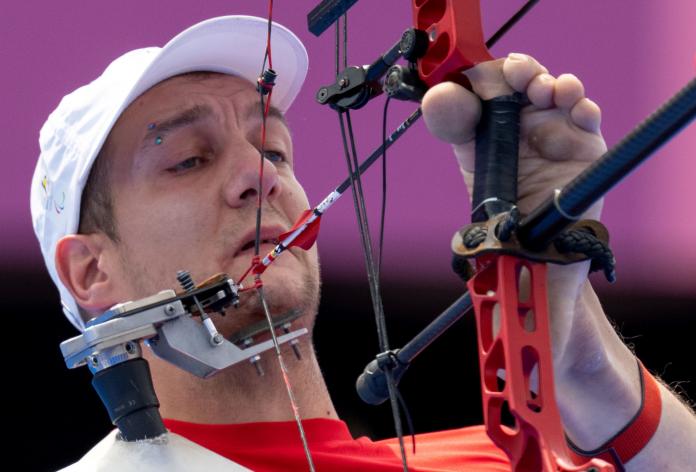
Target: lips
[269,235]
[250,244]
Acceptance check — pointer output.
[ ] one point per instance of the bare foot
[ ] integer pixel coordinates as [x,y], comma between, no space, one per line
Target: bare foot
[560,133]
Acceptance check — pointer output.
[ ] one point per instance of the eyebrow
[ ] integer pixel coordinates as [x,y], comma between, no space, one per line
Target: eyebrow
[182,119]
[198,113]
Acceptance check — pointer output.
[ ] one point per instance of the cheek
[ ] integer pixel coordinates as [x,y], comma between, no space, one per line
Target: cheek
[296,195]
[165,215]
[160,234]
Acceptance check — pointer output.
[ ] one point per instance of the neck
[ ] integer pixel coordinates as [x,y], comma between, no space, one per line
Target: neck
[239,395]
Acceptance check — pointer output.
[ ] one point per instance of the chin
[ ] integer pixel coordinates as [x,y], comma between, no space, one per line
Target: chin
[290,285]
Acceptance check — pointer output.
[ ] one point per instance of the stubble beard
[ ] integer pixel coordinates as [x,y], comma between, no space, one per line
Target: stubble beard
[303,298]
[304,302]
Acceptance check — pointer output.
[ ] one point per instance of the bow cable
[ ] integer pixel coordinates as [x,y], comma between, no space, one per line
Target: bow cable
[361,215]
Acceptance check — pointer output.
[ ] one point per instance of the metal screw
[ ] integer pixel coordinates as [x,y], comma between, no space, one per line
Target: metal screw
[296,349]
[130,347]
[216,340]
[94,360]
[344,82]
[169,310]
[293,343]
[255,362]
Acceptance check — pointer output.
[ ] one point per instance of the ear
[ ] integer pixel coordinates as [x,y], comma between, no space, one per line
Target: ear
[81,266]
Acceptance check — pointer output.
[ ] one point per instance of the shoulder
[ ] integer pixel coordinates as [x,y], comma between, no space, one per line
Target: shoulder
[467,448]
[171,452]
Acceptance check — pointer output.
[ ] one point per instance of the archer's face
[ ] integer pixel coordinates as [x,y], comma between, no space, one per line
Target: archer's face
[184,173]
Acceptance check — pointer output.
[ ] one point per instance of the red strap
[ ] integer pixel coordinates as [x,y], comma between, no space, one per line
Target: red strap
[637,433]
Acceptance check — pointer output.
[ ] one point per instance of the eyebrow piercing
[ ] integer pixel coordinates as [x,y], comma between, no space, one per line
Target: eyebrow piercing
[151,126]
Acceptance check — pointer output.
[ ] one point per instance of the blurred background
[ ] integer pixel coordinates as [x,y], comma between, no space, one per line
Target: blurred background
[631,56]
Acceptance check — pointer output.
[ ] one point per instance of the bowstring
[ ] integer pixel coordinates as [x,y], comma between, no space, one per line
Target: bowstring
[265,107]
[352,163]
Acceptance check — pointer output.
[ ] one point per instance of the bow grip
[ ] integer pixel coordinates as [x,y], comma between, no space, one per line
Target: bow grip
[456,39]
[497,143]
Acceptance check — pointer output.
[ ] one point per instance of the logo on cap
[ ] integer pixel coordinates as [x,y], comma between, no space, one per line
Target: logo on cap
[48,198]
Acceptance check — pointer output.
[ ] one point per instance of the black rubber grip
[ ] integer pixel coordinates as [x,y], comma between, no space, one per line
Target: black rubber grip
[129,397]
[497,142]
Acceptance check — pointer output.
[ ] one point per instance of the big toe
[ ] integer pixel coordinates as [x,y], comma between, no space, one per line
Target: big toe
[451,112]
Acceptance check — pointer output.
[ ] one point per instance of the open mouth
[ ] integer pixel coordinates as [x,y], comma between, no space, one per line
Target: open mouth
[250,244]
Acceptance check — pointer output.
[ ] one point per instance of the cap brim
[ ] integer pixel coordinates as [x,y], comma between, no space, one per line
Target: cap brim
[231,45]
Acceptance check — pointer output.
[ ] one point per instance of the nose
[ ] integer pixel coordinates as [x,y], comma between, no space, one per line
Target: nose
[242,186]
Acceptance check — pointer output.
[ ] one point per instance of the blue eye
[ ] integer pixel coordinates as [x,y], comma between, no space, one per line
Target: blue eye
[186,164]
[274,156]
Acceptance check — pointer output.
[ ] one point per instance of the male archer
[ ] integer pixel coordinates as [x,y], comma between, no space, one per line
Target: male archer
[158,159]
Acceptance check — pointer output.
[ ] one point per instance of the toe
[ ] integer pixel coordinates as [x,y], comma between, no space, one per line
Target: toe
[451,112]
[567,91]
[540,91]
[587,115]
[520,69]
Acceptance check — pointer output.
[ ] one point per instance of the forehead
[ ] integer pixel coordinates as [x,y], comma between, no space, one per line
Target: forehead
[216,92]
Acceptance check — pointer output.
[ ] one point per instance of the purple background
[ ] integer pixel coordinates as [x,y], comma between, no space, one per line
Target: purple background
[630,55]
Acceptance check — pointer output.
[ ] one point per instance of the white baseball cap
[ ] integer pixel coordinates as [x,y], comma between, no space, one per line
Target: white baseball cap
[74,133]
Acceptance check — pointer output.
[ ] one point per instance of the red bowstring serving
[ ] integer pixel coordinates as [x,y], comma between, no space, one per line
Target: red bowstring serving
[259,200]
[268,37]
